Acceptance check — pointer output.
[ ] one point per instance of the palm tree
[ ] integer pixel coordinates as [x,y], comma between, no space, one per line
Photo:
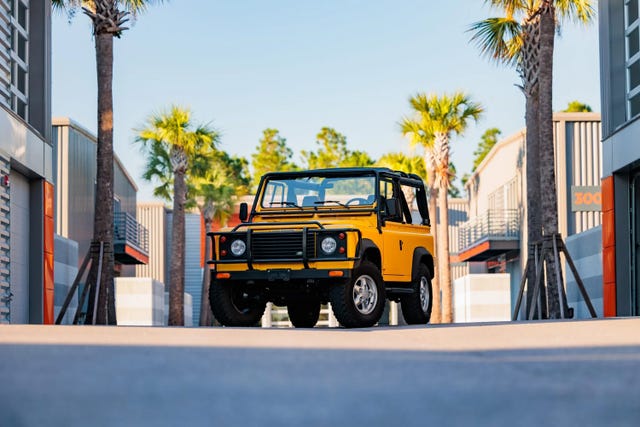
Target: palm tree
[107,18]
[527,43]
[417,130]
[406,163]
[171,135]
[213,188]
[441,117]
[549,10]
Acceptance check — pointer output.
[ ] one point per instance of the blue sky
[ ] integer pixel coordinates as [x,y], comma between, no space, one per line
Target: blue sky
[299,65]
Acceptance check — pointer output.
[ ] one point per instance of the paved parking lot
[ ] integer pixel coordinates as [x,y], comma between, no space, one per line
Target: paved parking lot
[544,373]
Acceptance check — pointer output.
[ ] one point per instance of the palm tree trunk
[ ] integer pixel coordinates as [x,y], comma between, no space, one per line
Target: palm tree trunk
[206,316]
[176,272]
[103,219]
[441,154]
[529,72]
[549,197]
[436,311]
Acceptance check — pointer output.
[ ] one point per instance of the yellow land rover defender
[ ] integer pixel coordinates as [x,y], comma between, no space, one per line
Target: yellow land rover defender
[352,237]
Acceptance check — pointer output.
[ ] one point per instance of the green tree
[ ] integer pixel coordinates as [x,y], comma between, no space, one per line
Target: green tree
[524,37]
[440,117]
[107,20]
[406,163]
[489,139]
[418,129]
[213,188]
[577,107]
[453,190]
[272,155]
[332,152]
[172,136]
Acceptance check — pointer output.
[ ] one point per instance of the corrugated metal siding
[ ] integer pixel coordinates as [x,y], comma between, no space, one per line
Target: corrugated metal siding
[458,215]
[75,176]
[585,157]
[192,269]
[124,190]
[75,186]
[153,217]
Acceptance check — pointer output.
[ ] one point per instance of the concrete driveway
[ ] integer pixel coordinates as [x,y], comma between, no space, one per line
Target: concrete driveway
[538,373]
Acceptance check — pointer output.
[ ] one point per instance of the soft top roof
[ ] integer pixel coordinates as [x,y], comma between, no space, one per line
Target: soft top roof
[343,172]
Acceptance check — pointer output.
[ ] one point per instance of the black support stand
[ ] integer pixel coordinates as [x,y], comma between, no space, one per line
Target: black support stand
[96,254]
[539,252]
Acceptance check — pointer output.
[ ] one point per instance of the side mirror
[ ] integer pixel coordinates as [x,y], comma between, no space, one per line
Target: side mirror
[244,212]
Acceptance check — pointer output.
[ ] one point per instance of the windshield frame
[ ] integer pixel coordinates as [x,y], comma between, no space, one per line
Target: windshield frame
[329,204]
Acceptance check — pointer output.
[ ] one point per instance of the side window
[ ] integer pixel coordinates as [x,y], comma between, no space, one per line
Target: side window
[410,198]
[393,202]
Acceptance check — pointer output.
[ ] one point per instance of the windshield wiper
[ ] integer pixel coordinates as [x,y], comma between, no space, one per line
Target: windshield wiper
[290,204]
[322,202]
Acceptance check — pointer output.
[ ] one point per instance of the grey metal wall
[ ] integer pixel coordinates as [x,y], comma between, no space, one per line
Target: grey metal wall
[124,189]
[586,252]
[192,269]
[65,271]
[75,154]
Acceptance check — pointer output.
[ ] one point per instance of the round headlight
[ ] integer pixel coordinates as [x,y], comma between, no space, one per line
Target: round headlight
[238,247]
[328,245]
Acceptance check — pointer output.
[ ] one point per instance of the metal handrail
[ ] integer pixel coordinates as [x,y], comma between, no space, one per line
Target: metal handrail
[128,230]
[493,224]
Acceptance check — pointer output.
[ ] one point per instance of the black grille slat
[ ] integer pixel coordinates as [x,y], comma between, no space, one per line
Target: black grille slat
[276,245]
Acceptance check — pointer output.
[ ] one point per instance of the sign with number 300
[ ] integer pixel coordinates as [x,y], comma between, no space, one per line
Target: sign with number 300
[586,199]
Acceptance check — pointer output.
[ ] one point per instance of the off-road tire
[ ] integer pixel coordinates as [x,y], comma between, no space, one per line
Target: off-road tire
[343,300]
[231,307]
[304,314]
[416,307]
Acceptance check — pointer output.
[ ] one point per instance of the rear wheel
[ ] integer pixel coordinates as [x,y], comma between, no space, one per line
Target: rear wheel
[416,308]
[359,303]
[234,305]
[304,314]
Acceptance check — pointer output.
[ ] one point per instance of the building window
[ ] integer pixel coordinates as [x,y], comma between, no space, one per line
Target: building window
[14,55]
[632,36]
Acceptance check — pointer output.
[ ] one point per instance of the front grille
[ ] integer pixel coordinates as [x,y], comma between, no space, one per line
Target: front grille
[280,245]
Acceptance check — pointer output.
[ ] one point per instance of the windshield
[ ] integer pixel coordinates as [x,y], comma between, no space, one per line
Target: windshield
[317,191]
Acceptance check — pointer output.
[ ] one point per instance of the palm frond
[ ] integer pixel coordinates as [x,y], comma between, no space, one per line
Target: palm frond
[579,11]
[498,39]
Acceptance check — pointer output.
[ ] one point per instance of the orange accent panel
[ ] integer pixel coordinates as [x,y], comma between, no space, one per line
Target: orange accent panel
[49,194]
[136,254]
[608,229]
[609,299]
[462,256]
[48,235]
[47,307]
[48,290]
[609,264]
[607,194]
[48,284]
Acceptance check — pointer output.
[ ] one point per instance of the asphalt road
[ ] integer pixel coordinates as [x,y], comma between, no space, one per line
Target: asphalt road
[580,373]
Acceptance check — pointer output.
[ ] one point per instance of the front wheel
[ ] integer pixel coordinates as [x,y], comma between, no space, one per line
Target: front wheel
[416,308]
[359,303]
[304,314]
[234,305]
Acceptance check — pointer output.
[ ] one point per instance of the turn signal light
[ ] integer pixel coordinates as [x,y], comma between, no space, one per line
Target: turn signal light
[336,273]
[223,275]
